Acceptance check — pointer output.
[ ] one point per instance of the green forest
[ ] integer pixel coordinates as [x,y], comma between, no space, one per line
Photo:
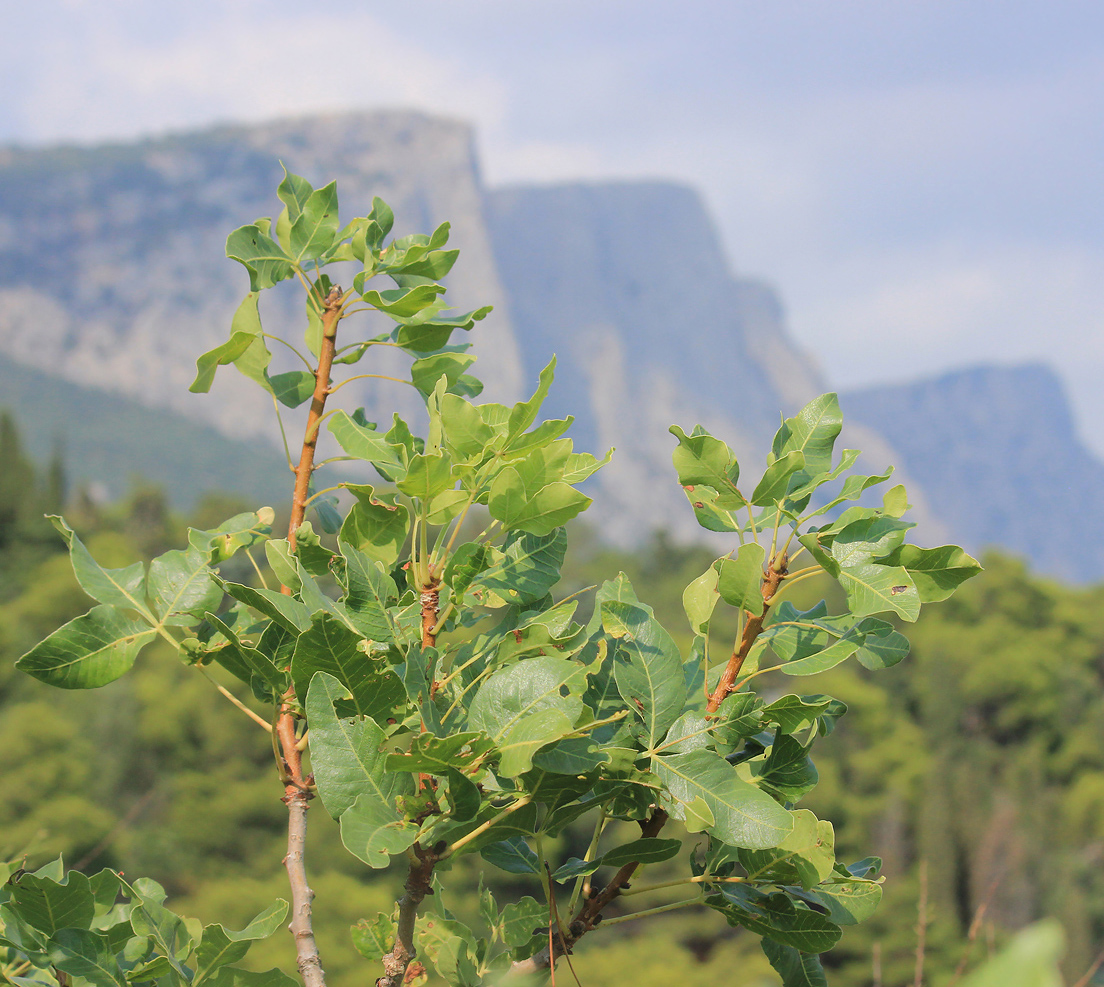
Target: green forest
[975,768]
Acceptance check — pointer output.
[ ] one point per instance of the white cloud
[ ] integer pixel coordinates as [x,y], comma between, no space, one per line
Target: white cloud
[103,81]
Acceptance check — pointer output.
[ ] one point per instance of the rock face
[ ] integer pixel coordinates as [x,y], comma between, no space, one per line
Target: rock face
[112,271]
[997,451]
[112,276]
[627,285]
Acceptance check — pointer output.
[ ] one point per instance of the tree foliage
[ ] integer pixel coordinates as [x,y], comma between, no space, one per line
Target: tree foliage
[447,704]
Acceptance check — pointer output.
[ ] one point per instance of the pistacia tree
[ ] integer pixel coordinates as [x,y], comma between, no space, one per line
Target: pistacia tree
[420,680]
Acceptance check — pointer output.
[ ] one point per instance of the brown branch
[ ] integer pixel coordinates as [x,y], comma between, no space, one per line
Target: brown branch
[431,610]
[753,625]
[589,914]
[330,316]
[298,791]
[418,885]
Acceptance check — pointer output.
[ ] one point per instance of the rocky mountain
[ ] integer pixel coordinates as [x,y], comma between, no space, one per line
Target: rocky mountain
[997,451]
[112,277]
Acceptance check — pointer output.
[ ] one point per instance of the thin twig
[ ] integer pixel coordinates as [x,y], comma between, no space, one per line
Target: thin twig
[1087,978]
[975,928]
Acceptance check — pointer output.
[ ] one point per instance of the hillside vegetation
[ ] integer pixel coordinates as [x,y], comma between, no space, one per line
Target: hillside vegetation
[981,756]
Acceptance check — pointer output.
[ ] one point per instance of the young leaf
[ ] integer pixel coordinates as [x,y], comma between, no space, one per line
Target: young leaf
[812,432]
[741,578]
[260,255]
[375,526]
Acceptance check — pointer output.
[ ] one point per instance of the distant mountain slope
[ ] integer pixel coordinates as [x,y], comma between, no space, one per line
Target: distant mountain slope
[107,440]
[997,452]
[112,264]
[628,285]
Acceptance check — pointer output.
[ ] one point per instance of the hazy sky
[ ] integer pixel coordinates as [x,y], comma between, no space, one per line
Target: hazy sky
[921,179]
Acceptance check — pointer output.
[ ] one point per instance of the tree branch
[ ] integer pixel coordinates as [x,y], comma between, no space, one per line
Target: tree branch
[753,625]
[589,914]
[298,791]
[418,885]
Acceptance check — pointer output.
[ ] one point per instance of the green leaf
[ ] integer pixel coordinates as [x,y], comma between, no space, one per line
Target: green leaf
[1029,960]
[369,591]
[372,830]
[524,413]
[375,526]
[743,815]
[124,587]
[288,612]
[873,588]
[314,229]
[647,667]
[330,646]
[425,373]
[848,902]
[365,443]
[374,938]
[796,969]
[262,257]
[521,919]
[89,651]
[701,459]
[575,867]
[514,856]
[220,946]
[528,568]
[775,483]
[812,432]
[643,851]
[403,303]
[149,917]
[829,657]
[293,388]
[48,905]
[539,512]
[87,955]
[427,476]
[180,583]
[740,579]
[256,661]
[345,751]
[882,646]
[464,752]
[699,599]
[788,771]
[806,856]
[293,192]
[528,705]
[240,531]
[777,917]
[937,572]
[465,431]
[867,539]
[220,356]
[795,713]
[464,565]
[581,465]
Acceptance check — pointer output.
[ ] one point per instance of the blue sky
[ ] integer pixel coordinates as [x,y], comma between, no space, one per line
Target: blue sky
[920,180]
